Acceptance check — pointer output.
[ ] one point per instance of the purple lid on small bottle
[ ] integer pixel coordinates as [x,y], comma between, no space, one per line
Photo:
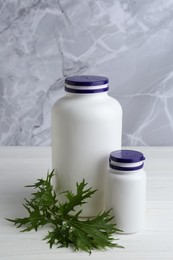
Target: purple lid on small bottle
[126,157]
[85,84]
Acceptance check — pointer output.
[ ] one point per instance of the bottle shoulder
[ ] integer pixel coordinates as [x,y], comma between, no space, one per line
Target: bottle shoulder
[127,175]
[88,108]
[87,100]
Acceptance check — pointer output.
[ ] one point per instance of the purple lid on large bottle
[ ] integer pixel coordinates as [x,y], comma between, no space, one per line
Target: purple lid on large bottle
[86,84]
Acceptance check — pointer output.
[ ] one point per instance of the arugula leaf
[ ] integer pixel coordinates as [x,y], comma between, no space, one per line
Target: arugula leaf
[66,229]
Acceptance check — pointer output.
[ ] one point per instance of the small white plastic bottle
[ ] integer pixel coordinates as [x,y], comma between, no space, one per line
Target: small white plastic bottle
[86,126]
[126,190]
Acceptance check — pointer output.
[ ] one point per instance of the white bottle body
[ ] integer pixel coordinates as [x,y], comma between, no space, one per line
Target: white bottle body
[126,194]
[85,128]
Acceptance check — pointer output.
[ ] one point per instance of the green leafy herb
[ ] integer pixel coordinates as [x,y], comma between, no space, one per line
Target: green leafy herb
[66,229]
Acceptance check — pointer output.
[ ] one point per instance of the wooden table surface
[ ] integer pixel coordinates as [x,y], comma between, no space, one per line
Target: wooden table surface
[20,166]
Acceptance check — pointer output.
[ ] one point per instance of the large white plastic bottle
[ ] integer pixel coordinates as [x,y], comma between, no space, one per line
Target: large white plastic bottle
[86,127]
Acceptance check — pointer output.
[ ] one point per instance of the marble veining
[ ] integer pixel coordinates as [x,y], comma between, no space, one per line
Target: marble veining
[42,42]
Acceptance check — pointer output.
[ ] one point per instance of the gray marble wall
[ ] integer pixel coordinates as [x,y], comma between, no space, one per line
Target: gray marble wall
[43,41]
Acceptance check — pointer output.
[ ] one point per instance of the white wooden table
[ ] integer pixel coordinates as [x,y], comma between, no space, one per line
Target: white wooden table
[20,166]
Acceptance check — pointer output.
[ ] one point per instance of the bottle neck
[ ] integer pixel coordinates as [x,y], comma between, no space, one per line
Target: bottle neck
[84,90]
[93,95]
[127,169]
